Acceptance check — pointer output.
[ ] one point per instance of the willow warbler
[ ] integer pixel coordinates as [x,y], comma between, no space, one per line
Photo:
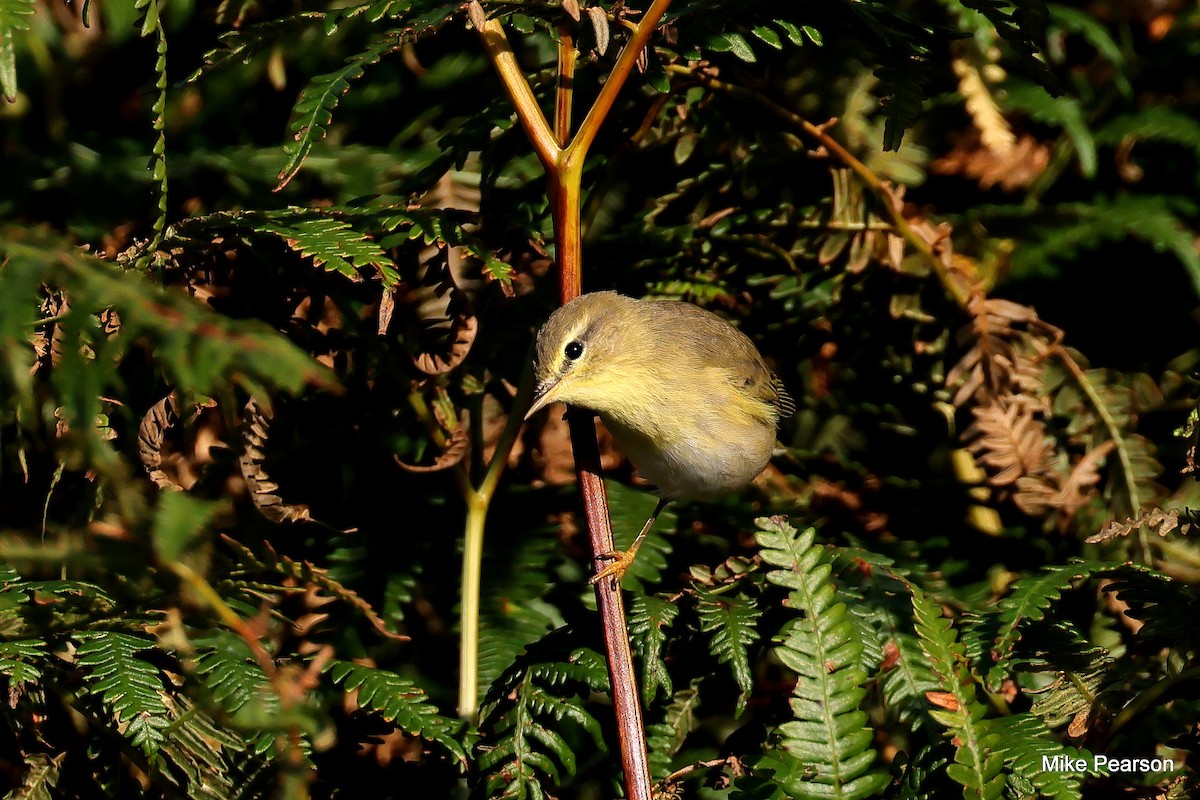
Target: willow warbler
[686,395]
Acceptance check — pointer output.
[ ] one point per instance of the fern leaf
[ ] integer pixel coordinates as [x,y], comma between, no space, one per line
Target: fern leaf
[243,44]
[1029,600]
[20,660]
[400,702]
[522,743]
[977,765]
[1167,608]
[313,111]
[511,612]
[1072,227]
[1080,669]
[128,685]
[1025,742]
[878,602]
[829,734]
[1022,25]
[239,687]
[40,779]
[14,16]
[665,739]
[731,621]
[333,245]
[1065,112]
[1153,123]
[201,759]
[649,619]
[1096,34]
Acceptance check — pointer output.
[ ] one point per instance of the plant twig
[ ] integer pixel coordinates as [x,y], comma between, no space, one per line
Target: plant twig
[958,290]
[479,500]
[568,54]
[1118,439]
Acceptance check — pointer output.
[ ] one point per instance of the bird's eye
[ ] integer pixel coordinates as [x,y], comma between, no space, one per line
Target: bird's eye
[573,350]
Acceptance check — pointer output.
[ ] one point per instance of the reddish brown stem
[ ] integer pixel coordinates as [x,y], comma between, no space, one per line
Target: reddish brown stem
[563,159]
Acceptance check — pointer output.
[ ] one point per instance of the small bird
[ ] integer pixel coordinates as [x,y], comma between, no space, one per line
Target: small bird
[686,395]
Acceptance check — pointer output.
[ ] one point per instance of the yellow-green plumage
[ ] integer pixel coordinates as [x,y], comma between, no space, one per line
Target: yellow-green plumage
[687,396]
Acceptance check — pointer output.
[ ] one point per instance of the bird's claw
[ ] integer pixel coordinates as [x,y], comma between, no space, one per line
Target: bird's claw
[621,561]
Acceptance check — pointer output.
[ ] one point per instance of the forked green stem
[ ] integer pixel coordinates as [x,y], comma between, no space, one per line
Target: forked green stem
[479,500]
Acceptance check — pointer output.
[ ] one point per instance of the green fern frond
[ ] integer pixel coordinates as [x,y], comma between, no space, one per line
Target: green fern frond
[243,44]
[1153,123]
[1025,743]
[129,686]
[1167,608]
[199,758]
[40,779]
[665,739]
[331,243]
[1064,112]
[313,111]
[1029,601]
[21,660]
[1093,31]
[1023,26]
[1070,228]
[400,224]
[731,619]
[14,16]
[512,613]
[903,91]
[649,619]
[239,687]
[524,733]
[977,764]
[198,348]
[829,734]
[878,602]
[1080,671]
[400,702]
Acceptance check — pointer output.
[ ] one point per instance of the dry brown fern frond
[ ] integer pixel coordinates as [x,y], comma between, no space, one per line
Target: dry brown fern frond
[1005,343]
[1010,441]
[1159,521]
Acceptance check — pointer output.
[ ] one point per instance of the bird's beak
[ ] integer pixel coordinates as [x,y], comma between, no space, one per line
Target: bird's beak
[543,396]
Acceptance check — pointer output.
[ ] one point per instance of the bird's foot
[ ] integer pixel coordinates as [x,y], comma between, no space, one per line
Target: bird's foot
[621,561]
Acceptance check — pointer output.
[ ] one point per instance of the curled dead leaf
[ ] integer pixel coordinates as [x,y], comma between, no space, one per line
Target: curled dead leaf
[256,428]
[450,346]
[152,431]
[454,452]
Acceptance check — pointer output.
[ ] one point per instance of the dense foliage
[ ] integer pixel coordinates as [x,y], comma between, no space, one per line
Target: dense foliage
[268,277]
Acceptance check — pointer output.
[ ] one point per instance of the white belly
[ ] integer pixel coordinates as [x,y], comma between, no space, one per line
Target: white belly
[698,467]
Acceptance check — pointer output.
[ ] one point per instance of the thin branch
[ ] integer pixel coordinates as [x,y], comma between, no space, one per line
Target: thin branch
[495,42]
[1118,439]
[564,173]
[478,502]
[568,54]
[204,590]
[958,290]
[577,150]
